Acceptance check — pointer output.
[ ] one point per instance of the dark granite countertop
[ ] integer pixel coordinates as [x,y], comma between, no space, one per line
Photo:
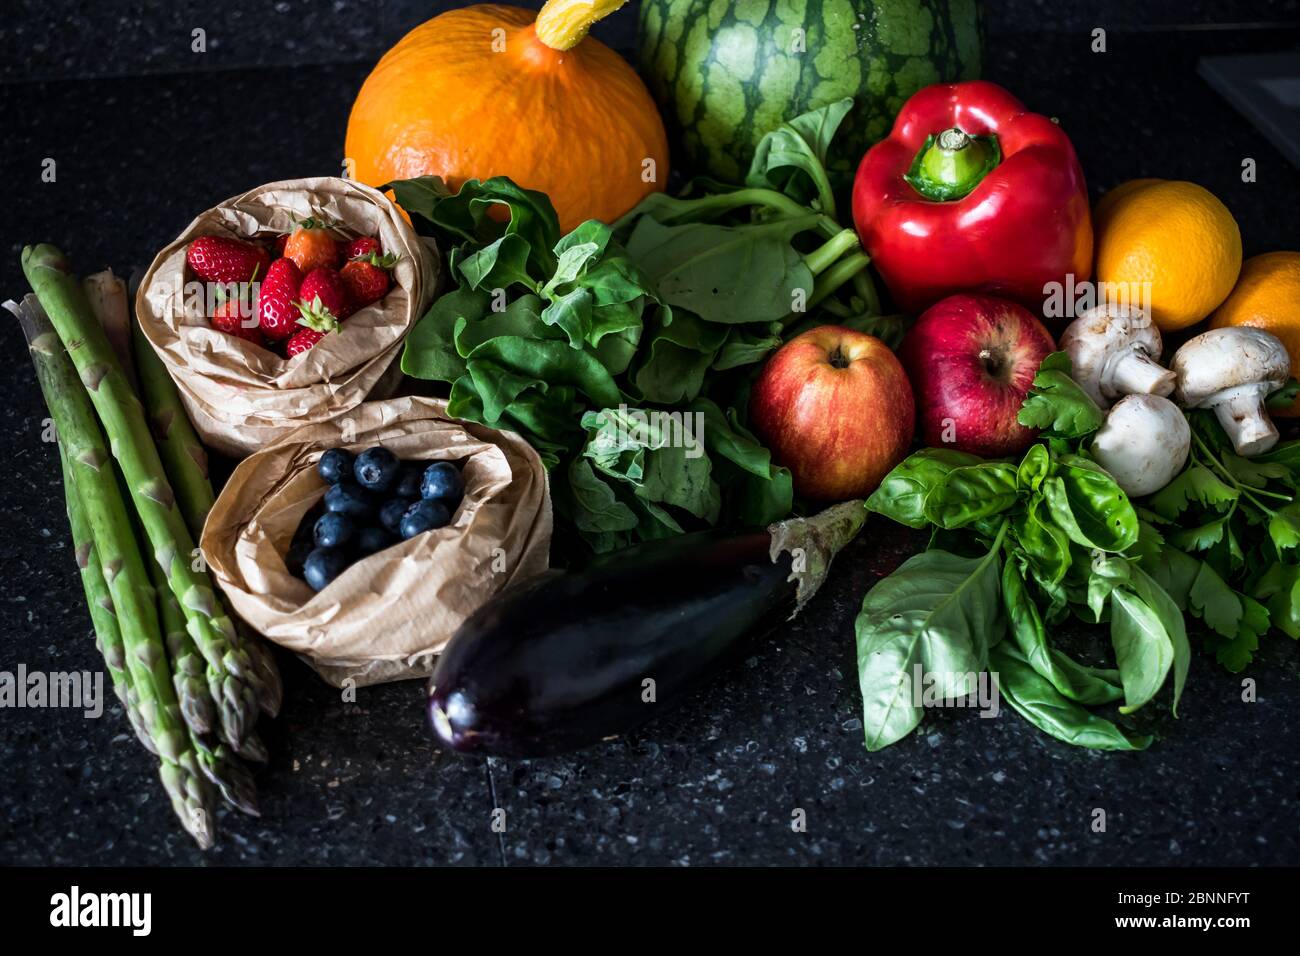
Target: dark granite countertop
[715,781]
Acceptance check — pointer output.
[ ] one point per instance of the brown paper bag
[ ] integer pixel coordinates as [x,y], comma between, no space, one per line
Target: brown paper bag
[387,615]
[242,397]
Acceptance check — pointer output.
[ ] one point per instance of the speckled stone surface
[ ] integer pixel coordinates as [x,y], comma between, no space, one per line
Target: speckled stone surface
[715,782]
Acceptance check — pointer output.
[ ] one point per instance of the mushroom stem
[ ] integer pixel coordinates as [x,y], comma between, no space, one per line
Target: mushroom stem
[1137,374]
[1242,415]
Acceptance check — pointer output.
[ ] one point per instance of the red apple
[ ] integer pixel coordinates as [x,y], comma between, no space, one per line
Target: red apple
[972,359]
[835,407]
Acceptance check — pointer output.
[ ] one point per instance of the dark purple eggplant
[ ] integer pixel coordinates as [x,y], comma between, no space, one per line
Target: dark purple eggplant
[561,662]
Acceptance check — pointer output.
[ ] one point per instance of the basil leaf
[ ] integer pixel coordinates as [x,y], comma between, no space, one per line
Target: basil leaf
[1044,547]
[1057,405]
[1107,573]
[1033,468]
[1089,506]
[901,495]
[1037,701]
[1143,649]
[1171,617]
[1083,684]
[969,493]
[938,611]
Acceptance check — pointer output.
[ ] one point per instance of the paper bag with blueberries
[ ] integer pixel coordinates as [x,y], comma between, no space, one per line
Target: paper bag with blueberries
[365,562]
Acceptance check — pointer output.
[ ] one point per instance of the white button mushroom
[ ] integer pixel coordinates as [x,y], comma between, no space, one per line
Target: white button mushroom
[1143,444]
[1232,371]
[1113,351]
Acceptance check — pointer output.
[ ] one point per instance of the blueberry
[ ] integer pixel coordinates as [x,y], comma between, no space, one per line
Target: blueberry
[323,565]
[424,516]
[349,498]
[373,538]
[390,514]
[297,555]
[408,480]
[334,530]
[442,481]
[376,469]
[334,465]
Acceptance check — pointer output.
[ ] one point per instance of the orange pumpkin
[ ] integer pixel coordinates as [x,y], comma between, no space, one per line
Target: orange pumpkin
[489,91]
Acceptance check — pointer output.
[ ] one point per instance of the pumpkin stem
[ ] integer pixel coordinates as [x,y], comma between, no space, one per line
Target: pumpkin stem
[561,24]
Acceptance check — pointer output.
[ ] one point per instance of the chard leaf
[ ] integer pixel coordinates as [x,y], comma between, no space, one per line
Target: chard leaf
[792,157]
[725,274]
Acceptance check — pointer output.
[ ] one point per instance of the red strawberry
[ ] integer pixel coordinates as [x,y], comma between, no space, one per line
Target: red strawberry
[366,282]
[301,341]
[277,310]
[323,300]
[361,248]
[311,246]
[222,259]
[229,317]
[279,244]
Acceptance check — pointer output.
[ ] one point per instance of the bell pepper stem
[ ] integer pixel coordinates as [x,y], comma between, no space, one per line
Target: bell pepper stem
[952,163]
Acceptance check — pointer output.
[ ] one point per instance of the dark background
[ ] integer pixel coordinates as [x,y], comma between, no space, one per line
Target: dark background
[146,134]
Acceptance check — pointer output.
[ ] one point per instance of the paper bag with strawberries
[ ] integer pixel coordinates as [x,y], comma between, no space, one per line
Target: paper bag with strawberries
[387,615]
[286,306]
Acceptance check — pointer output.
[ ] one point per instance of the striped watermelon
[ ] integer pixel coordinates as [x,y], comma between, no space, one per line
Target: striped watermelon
[725,73]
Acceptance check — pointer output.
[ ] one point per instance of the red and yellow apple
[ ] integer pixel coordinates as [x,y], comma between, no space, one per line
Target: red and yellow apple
[835,407]
[972,359]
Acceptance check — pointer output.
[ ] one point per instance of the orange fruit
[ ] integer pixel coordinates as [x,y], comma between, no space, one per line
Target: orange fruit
[1176,236]
[1267,296]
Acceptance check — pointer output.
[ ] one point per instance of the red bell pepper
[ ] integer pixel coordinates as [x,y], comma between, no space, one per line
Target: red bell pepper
[972,193]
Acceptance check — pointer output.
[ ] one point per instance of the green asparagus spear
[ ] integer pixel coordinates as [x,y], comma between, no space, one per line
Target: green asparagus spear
[188,668]
[95,487]
[218,764]
[231,674]
[179,447]
[186,464]
[102,613]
